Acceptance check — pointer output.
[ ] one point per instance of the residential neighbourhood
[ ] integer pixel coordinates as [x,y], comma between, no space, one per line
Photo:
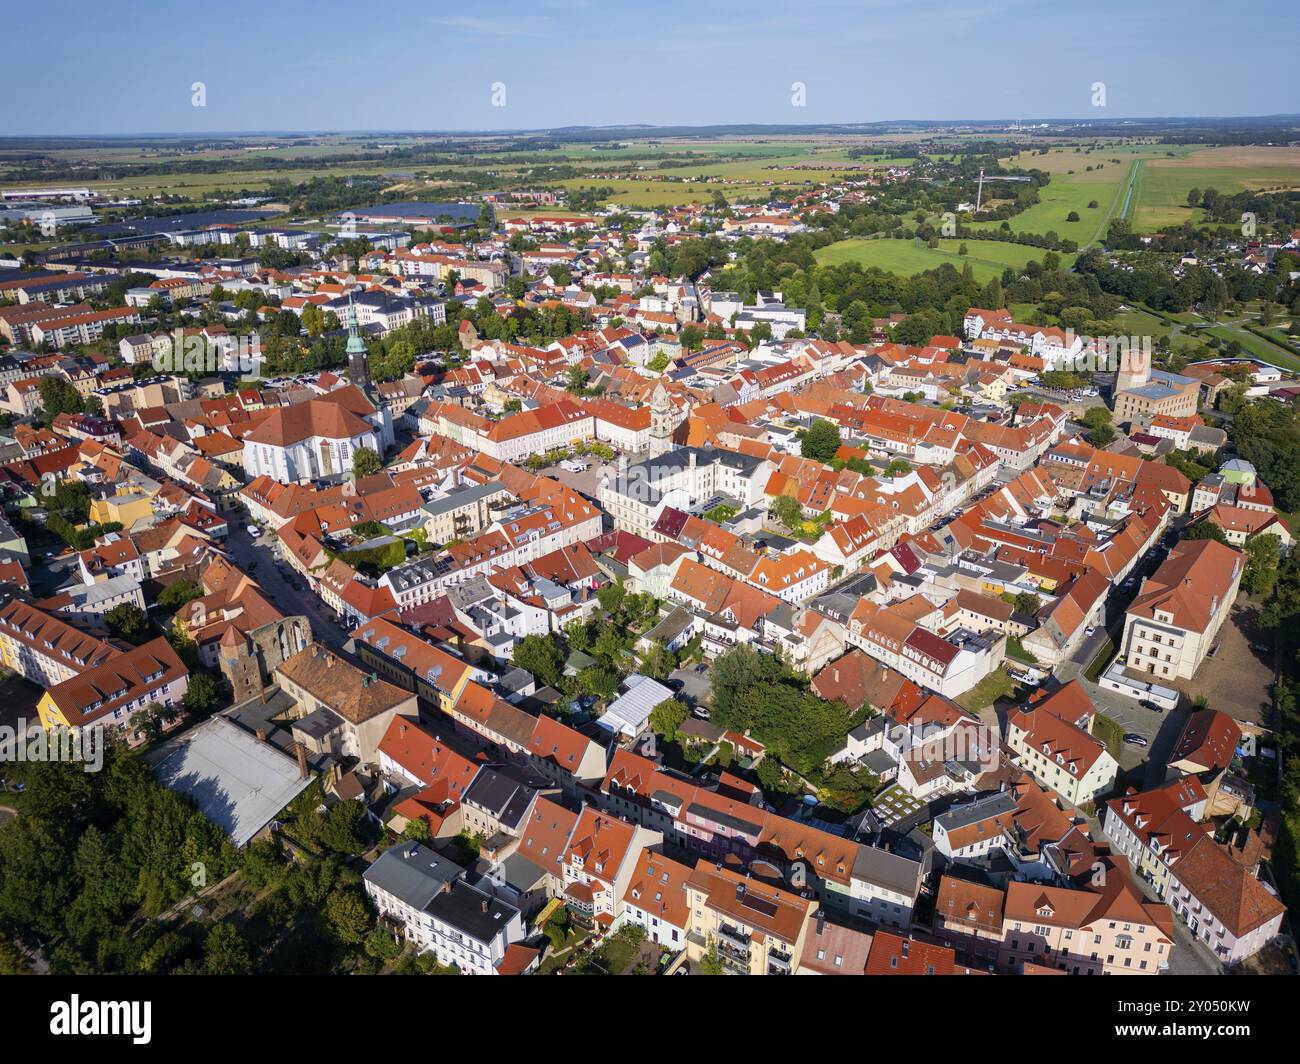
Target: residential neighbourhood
[477,555]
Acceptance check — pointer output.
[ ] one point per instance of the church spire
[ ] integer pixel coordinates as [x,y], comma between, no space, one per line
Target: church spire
[358,354]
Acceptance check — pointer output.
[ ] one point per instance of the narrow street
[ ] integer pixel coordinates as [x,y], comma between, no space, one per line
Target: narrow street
[257,557]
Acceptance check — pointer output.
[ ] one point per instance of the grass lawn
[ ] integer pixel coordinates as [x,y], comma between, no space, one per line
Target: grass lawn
[553,961]
[1016,649]
[1135,322]
[995,685]
[1258,346]
[1110,733]
[987,258]
[1099,663]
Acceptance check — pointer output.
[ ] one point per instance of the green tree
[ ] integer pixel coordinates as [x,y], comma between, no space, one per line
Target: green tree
[226,952]
[201,695]
[58,396]
[787,511]
[1205,529]
[658,661]
[1027,603]
[346,829]
[709,963]
[821,441]
[667,717]
[128,621]
[347,915]
[175,595]
[575,380]
[599,680]
[365,462]
[541,655]
[1263,555]
[1100,431]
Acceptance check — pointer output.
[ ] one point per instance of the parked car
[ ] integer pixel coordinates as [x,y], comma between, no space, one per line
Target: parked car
[1146,703]
[1261,648]
[701,713]
[1090,630]
[254,531]
[1133,739]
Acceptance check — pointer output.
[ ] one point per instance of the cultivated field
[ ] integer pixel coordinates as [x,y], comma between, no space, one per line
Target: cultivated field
[1163,183]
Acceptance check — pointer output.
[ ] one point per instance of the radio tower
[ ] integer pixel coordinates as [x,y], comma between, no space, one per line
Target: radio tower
[979,193]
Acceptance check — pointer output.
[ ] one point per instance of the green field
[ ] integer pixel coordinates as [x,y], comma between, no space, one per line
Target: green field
[1068,193]
[987,258]
[1258,346]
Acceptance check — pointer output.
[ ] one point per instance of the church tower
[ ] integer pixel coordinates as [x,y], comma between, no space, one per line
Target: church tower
[661,421]
[358,354]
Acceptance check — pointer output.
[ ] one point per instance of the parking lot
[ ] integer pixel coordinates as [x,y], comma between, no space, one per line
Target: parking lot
[588,481]
[696,686]
[18,699]
[1160,730]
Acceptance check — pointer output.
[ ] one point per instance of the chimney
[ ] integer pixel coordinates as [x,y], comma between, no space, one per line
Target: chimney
[302,761]
[261,735]
[485,905]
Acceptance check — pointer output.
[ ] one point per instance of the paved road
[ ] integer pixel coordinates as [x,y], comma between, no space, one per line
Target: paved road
[257,558]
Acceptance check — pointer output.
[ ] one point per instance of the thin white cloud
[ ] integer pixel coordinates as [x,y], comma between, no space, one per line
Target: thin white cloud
[496,26]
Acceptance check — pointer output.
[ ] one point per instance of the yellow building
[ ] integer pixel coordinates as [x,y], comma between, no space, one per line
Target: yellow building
[751,927]
[127,509]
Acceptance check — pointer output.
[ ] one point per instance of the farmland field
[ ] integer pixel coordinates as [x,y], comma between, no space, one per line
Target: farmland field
[1166,174]
[1164,183]
[987,258]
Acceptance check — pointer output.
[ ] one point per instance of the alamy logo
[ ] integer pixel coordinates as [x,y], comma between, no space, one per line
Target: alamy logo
[36,744]
[1104,354]
[77,1017]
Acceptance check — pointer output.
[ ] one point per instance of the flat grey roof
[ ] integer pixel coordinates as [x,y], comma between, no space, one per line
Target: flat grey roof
[238,783]
[960,816]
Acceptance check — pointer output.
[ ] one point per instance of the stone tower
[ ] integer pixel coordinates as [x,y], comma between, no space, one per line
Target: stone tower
[1134,366]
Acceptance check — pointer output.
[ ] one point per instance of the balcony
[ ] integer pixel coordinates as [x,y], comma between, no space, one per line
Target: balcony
[727,933]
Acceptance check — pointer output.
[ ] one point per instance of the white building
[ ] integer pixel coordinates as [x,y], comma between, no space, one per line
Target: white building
[308,441]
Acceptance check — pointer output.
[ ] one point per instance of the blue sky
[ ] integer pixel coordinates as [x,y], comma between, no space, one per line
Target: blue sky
[128,67]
